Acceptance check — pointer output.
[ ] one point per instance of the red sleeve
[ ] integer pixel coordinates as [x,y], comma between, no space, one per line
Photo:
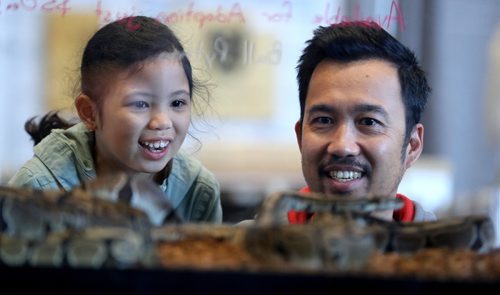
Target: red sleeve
[405,214]
[305,189]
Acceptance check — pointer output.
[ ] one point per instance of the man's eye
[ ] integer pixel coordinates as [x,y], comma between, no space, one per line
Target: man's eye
[368,122]
[323,120]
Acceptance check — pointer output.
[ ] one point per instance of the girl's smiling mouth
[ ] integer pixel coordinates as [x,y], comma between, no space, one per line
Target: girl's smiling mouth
[155,146]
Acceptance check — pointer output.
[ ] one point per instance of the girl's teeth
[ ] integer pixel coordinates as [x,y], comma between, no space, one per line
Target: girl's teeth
[156,145]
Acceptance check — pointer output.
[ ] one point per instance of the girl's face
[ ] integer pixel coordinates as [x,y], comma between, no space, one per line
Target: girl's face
[145,117]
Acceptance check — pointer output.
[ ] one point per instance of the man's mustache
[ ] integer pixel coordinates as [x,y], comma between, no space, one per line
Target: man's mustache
[346,161]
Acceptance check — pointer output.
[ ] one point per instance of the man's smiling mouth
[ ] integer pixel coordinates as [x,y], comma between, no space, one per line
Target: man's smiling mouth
[345,175]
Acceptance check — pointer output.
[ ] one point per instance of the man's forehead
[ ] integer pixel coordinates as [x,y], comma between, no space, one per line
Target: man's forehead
[367,82]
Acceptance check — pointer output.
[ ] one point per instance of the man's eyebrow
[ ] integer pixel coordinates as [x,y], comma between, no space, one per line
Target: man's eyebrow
[360,108]
[322,108]
[371,108]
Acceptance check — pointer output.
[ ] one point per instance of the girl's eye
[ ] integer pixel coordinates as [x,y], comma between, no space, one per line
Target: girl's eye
[178,103]
[140,104]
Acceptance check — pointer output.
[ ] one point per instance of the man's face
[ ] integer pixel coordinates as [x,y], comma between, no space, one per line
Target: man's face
[352,136]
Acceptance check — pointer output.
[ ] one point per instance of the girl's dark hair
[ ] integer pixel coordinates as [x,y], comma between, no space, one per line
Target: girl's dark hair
[353,41]
[119,45]
[125,43]
[38,130]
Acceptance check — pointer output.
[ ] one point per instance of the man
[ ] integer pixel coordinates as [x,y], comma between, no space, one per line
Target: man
[361,94]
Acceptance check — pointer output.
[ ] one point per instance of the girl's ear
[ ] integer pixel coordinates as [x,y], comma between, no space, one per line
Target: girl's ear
[87,110]
[415,145]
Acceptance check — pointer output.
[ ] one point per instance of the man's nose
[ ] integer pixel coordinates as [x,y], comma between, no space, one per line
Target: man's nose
[344,141]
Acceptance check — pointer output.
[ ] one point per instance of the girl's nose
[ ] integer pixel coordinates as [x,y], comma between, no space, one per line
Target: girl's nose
[160,121]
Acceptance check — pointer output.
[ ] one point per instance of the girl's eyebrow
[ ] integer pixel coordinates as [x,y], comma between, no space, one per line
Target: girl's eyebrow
[141,93]
[180,92]
[148,94]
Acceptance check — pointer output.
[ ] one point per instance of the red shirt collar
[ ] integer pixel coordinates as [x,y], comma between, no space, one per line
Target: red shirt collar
[404,214]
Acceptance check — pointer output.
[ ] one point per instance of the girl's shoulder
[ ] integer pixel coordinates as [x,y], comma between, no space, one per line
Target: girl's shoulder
[60,160]
[189,167]
[33,174]
[189,176]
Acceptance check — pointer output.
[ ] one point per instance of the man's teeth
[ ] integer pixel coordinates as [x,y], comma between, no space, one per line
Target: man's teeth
[345,175]
[155,145]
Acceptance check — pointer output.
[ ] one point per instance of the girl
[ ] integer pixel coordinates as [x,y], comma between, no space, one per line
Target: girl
[135,107]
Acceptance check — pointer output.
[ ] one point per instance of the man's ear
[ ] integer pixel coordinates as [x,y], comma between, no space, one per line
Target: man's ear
[298,134]
[87,110]
[415,145]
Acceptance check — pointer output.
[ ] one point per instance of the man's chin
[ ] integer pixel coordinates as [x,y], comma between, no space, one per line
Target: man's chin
[346,194]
